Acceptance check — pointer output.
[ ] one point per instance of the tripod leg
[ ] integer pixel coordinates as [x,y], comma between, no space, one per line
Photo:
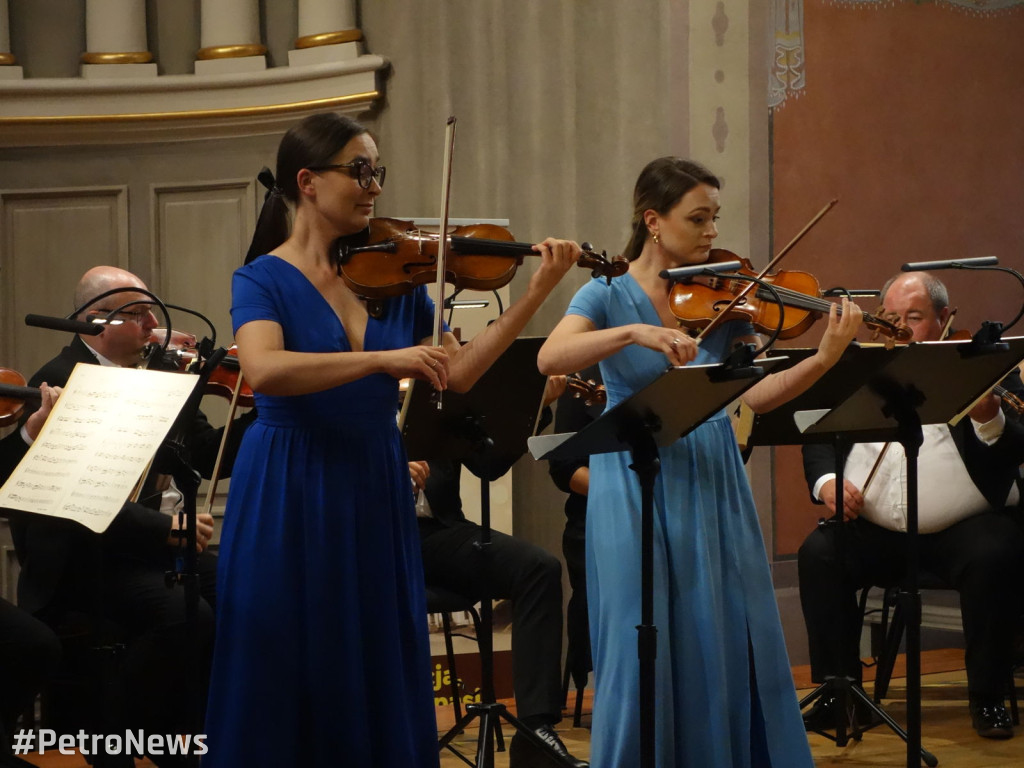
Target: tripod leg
[484,745]
[499,738]
[814,695]
[861,696]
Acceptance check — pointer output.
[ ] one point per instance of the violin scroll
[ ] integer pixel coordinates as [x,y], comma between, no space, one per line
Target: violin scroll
[600,265]
[587,390]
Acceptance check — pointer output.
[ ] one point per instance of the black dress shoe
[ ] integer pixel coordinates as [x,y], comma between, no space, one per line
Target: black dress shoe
[822,716]
[991,721]
[523,753]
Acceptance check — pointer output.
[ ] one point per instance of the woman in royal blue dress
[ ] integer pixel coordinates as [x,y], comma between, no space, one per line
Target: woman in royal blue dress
[724,691]
[321,636]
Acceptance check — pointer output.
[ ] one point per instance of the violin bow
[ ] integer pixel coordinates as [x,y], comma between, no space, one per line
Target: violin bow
[442,239]
[719,319]
[211,491]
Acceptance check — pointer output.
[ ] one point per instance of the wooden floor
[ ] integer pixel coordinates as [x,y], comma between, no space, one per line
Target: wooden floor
[946,728]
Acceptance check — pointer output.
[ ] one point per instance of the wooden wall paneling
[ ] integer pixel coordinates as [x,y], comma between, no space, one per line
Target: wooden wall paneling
[200,233]
[50,237]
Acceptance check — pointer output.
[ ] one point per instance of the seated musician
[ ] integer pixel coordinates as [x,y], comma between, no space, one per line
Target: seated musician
[575,411]
[524,573]
[969,507]
[29,650]
[72,578]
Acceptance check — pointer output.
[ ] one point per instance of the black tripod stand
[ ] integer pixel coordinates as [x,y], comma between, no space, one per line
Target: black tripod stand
[489,424]
[174,457]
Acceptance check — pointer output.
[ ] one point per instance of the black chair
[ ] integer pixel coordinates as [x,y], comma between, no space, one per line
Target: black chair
[892,626]
[446,602]
[577,668]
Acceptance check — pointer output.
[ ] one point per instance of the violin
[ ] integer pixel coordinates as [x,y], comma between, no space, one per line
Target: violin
[13,395]
[696,304]
[587,390]
[391,257]
[182,355]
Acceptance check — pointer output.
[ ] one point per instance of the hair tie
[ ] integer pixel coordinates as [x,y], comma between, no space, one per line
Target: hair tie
[266,178]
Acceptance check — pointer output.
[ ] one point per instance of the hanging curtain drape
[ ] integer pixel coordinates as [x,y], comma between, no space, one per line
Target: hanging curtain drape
[786,70]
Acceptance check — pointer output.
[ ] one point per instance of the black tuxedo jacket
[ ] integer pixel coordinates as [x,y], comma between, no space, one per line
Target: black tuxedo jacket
[62,560]
[993,468]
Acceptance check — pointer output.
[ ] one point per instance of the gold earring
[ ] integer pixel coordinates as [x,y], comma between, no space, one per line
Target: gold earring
[655,238]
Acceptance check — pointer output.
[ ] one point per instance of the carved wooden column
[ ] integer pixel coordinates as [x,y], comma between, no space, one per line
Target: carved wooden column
[229,34]
[327,32]
[115,40]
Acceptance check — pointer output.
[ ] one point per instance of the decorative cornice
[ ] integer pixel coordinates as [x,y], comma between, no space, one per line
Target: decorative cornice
[127,57]
[230,51]
[195,114]
[329,38]
[7,59]
[111,111]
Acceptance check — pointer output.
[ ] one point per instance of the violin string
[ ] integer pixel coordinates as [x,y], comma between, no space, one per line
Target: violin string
[813,304]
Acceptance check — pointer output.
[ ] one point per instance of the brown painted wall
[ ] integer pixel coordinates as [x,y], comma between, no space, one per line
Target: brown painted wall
[913,117]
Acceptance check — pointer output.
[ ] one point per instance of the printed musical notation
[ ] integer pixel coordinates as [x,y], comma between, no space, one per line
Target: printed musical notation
[95,445]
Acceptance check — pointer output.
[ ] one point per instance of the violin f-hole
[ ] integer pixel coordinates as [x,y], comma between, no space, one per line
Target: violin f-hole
[722,304]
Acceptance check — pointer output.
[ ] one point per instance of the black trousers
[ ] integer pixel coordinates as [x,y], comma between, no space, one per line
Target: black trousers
[528,576]
[29,654]
[160,683]
[979,557]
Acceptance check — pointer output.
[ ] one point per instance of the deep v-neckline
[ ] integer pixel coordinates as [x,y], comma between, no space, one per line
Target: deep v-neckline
[330,308]
[648,302]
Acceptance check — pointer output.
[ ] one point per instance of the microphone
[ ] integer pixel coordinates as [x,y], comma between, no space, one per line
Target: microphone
[62,324]
[978,261]
[684,273]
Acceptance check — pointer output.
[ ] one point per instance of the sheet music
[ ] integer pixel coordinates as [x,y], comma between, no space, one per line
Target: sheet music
[96,443]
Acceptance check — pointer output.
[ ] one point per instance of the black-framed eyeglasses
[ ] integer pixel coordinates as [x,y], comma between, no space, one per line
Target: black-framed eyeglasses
[360,170]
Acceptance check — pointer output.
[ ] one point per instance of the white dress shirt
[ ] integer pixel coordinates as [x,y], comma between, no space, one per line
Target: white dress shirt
[946,493]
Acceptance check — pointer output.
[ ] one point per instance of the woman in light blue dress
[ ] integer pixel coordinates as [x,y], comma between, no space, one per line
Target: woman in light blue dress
[322,643]
[724,691]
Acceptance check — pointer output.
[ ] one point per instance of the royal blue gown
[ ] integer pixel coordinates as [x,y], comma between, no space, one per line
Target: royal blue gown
[714,604]
[322,645]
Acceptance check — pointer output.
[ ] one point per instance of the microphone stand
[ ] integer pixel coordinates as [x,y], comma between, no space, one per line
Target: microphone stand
[990,332]
[174,456]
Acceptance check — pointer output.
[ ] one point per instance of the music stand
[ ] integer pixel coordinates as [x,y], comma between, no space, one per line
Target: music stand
[491,423]
[923,383]
[668,408]
[174,455]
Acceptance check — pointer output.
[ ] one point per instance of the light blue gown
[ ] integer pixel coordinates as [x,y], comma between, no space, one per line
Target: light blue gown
[322,645]
[714,603]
